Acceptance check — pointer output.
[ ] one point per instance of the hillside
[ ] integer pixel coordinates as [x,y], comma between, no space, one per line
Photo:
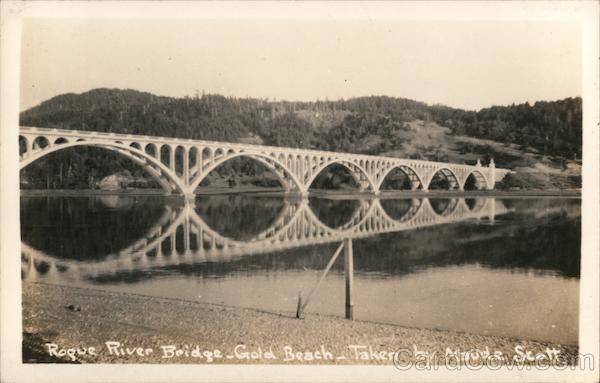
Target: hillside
[541,141]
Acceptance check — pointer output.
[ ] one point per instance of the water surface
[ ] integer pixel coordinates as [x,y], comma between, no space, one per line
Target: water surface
[505,267]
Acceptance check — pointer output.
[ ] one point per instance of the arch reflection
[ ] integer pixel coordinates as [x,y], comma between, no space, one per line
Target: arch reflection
[181,235]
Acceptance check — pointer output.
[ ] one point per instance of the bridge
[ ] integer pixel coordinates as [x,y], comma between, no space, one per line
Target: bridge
[180,165]
[181,236]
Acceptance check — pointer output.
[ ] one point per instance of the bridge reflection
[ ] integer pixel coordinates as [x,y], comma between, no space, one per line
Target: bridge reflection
[182,236]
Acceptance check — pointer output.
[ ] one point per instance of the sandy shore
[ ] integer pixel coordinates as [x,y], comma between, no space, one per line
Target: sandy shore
[82,318]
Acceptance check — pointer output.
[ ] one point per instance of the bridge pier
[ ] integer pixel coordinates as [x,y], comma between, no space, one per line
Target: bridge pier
[492,175]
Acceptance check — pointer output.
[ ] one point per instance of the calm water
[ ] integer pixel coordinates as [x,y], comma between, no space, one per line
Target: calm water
[506,267]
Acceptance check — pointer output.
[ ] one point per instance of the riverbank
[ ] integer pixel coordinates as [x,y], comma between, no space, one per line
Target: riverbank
[72,317]
[391,194]
[333,194]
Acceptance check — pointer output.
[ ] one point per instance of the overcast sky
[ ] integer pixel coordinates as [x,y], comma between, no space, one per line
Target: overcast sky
[467,64]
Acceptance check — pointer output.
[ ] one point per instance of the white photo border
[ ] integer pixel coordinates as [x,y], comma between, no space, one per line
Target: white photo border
[586,13]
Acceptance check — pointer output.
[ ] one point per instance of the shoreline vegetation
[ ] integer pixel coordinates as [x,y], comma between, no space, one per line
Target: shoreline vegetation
[75,317]
[333,194]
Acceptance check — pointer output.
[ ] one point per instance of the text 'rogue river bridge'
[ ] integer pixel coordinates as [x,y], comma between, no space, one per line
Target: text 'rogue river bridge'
[180,165]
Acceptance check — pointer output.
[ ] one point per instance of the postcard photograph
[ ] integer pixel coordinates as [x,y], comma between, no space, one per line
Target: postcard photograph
[226,185]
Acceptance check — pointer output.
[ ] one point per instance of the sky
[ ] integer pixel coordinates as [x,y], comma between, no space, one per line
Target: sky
[466,64]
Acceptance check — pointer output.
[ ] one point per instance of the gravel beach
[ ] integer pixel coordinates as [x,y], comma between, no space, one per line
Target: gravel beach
[78,325]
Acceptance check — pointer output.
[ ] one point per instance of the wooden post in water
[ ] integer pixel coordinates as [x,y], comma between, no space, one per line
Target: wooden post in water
[349,277]
[302,306]
[299,307]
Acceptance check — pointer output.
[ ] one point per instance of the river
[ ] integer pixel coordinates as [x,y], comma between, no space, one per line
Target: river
[493,266]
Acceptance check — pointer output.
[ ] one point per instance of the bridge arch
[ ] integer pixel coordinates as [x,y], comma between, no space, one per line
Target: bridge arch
[147,162]
[136,145]
[164,154]
[23,145]
[443,207]
[206,154]
[151,150]
[61,140]
[411,173]
[194,157]
[481,181]
[347,211]
[475,204]
[276,166]
[449,175]
[179,155]
[350,165]
[400,210]
[40,142]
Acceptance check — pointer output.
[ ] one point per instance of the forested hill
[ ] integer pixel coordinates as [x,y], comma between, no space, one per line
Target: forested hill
[547,134]
[552,128]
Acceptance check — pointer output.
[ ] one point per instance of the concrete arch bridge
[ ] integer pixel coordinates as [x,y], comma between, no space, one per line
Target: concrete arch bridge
[180,165]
